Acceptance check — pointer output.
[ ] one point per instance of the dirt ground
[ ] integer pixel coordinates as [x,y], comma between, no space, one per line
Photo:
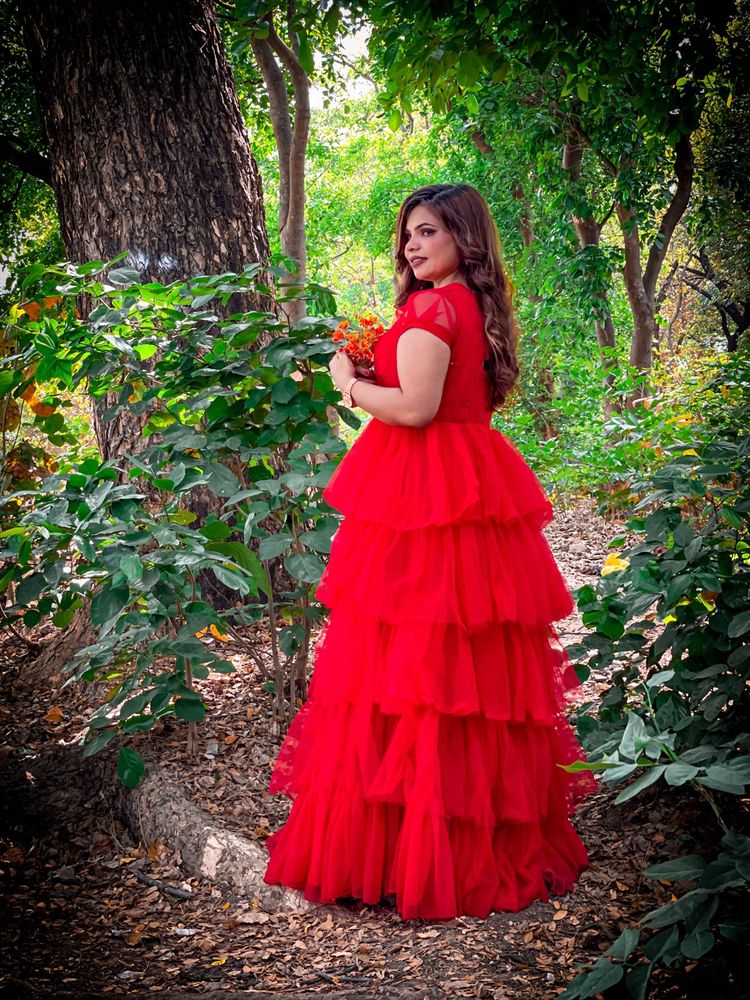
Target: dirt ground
[88,907]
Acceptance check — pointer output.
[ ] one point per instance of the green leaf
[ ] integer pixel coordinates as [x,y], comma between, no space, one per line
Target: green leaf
[318,539]
[582,90]
[648,778]
[304,566]
[394,120]
[30,588]
[660,677]
[723,779]
[107,603]
[635,737]
[677,587]
[274,546]
[221,480]
[624,944]
[132,566]
[602,976]
[304,54]
[678,773]
[739,625]
[586,765]
[98,742]
[130,767]
[245,558]
[121,277]
[223,666]
[688,868]
[190,709]
[697,944]
[216,531]
[636,981]
[64,616]
[231,579]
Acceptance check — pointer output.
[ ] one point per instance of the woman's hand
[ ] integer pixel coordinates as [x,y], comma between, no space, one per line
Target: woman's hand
[342,369]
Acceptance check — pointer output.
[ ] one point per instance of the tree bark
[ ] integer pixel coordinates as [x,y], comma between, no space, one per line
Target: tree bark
[274,56]
[146,145]
[589,232]
[147,154]
[640,282]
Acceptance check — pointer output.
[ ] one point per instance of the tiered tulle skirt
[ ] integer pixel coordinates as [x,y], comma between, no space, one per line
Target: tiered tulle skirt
[425,761]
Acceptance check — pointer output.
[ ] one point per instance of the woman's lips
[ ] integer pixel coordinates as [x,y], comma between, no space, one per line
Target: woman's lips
[418,261]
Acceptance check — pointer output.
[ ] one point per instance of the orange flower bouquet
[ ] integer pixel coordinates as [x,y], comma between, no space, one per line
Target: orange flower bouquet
[359,338]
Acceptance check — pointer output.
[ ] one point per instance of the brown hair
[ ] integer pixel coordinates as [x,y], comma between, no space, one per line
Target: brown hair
[466,216]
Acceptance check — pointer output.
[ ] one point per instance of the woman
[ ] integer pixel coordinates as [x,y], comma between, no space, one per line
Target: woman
[424,763]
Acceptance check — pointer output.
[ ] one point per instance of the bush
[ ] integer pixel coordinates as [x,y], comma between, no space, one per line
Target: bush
[670,618]
[245,424]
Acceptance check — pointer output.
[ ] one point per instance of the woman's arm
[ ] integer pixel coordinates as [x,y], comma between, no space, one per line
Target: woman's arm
[422,362]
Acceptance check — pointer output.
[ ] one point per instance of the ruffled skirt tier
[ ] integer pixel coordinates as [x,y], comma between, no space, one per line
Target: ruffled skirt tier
[425,761]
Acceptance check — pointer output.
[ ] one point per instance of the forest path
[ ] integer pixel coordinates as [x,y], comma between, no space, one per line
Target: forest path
[87,907]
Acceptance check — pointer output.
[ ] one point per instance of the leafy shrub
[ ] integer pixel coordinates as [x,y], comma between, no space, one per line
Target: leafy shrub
[234,406]
[670,618]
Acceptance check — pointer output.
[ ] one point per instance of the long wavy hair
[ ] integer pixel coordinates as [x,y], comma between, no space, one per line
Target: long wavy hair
[466,216]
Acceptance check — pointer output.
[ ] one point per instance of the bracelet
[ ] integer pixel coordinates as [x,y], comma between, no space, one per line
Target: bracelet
[346,394]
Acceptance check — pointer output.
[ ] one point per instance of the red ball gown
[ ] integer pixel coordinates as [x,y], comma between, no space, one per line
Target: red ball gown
[424,762]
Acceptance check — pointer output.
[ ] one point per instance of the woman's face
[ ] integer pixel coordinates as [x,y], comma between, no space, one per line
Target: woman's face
[429,248]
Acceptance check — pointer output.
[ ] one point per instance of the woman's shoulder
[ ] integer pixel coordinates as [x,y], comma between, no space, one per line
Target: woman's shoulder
[433,309]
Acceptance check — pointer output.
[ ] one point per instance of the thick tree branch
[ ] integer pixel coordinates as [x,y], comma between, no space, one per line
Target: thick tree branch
[575,126]
[666,283]
[684,169]
[281,119]
[298,148]
[15,151]
[477,137]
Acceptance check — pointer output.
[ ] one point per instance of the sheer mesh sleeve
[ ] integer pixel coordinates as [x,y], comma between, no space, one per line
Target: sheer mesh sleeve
[430,310]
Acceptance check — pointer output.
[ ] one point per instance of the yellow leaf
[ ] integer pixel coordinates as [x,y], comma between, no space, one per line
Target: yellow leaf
[613,563]
[218,634]
[55,714]
[219,961]
[203,631]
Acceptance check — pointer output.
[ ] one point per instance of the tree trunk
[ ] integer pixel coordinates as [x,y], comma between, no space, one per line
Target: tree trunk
[640,282]
[147,153]
[291,133]
[589,232]
[147,148]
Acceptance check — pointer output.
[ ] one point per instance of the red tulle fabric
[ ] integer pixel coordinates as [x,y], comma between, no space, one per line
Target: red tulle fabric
[424,763]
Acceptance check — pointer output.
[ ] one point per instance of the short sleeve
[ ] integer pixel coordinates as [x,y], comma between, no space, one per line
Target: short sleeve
[431,310]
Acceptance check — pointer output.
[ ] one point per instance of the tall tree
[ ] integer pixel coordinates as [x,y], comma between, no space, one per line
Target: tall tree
[283,36]
[145,144]
[626,81]
[145,148]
